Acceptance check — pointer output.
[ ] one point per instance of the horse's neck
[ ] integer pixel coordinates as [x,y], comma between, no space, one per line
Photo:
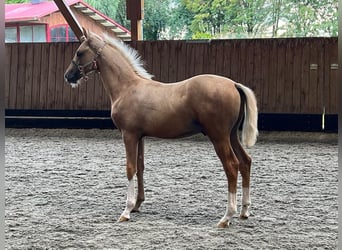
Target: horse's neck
[116,78]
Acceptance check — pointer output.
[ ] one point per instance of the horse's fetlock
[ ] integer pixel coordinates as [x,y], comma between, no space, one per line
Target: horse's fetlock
[141,199]
[130,204]
[131,172]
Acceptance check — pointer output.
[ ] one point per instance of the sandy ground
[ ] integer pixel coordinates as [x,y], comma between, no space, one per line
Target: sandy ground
[65,189]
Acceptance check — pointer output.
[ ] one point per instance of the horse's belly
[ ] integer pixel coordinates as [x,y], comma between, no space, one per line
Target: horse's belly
[174,128]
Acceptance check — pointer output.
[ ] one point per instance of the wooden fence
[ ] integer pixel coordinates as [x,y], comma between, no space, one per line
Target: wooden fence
[288,75]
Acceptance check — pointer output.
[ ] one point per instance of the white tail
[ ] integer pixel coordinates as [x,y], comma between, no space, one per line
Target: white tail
[250,124]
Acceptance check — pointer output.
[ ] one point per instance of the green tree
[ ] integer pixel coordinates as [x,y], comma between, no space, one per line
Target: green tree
[156,15]
[213,18]
[275,15]
[165,19]
[179,21]
[107,7]
[121,16]
[270,18]
[247,16]
[159,21]
[311,18]
[208,17]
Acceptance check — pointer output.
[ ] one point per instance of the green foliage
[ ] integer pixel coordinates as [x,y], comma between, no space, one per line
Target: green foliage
[120,16]
[160,19]
[179,22]
[16,1]
[156,15]
[311,18]
[262,18]
[107,7]
[208,16]
[165,19]
[202,35]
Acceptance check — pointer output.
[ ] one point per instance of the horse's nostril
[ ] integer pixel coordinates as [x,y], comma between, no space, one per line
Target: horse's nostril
[68,75]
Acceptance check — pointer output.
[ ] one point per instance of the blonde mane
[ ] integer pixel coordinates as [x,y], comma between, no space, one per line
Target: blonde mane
[131,55]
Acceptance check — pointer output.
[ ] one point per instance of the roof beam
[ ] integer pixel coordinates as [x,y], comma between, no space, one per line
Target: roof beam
[70,18]
[88,12]
[80,7]
[98,18]
[76,27]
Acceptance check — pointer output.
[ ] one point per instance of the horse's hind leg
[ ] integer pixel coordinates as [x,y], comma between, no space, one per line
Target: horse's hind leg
[230,164]
[245,170]
[140,176]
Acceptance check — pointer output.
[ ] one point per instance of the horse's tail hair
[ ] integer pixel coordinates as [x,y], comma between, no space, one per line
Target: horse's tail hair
[250,124]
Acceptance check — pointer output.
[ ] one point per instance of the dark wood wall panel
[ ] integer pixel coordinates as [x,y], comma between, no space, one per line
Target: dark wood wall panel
[288,75]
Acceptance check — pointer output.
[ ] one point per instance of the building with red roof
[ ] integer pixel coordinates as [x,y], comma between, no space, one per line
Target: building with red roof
[42,21]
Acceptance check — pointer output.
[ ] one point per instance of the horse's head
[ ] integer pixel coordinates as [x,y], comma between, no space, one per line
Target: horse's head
[85,59]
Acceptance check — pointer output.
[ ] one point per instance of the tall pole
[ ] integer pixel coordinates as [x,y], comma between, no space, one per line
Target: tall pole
[135,13]
[70,18]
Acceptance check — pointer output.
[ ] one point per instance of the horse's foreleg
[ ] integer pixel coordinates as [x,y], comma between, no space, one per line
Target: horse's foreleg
[230,164]
[131,144]
[140,176]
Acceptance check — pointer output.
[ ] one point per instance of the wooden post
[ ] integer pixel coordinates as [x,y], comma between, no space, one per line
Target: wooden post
[135,15]
[70,18]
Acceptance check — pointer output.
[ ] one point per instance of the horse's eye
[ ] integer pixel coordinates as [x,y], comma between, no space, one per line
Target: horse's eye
[79,53]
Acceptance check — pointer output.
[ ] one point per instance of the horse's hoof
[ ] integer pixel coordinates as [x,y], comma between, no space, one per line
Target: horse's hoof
[136,210]
[123,219]
[223,224]
[243,217]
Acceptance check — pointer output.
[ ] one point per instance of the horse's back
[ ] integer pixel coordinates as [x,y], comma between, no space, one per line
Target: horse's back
[206,99]
[205,94]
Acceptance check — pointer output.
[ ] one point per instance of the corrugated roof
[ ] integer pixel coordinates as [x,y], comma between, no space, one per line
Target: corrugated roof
[33,12]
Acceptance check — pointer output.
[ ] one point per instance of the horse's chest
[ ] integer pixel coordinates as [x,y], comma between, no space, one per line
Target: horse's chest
[122,117]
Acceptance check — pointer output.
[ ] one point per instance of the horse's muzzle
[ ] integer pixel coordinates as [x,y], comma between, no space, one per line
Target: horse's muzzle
[72,77]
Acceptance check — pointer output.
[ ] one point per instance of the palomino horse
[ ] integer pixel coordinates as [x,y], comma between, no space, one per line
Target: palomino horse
[208,104]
